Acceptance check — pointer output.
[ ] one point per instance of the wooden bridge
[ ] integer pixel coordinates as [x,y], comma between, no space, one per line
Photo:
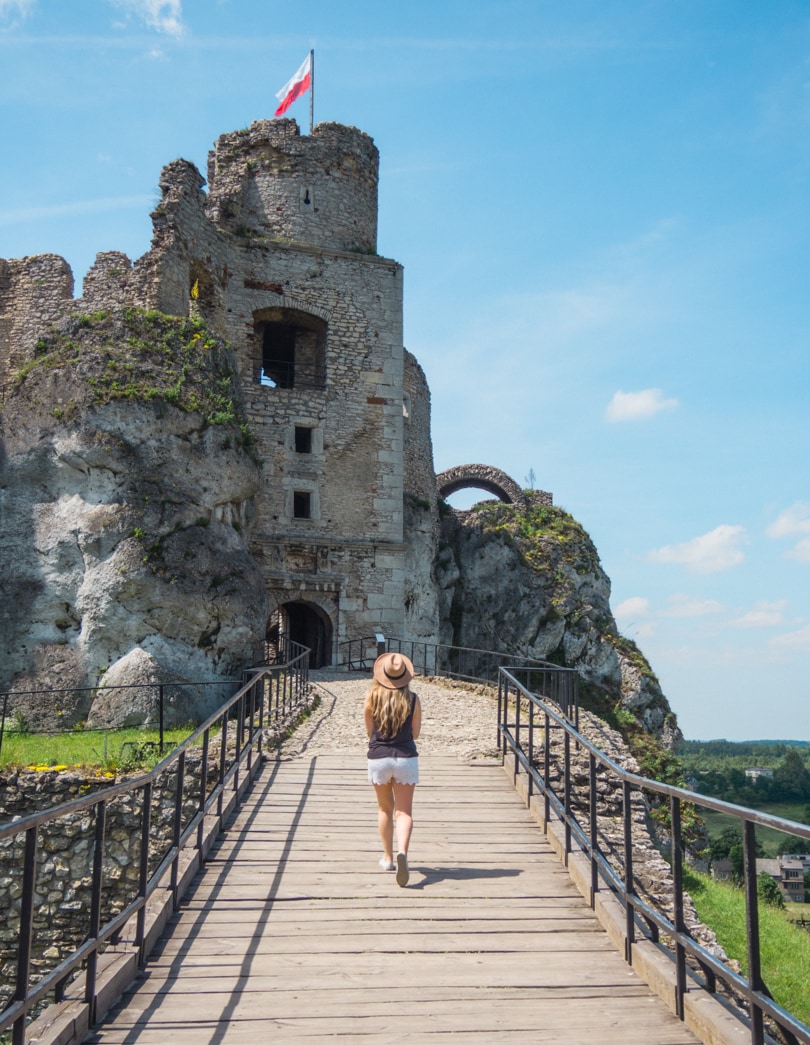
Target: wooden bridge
[293,932]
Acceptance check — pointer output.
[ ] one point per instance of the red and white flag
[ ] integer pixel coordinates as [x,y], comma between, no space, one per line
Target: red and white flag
[294,88]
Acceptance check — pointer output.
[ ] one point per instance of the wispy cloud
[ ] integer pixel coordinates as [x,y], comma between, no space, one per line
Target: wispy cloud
[24,215]
[166,16]
[794,522]
[681,605]
[763,615]
[638,406]
[635,606]
[712,552]
[793,639]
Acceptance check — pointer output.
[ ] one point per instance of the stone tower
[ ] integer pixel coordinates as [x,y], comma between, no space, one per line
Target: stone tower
[283,263]
[281,254]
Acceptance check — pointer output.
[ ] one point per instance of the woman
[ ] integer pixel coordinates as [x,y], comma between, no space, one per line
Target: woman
[393,718]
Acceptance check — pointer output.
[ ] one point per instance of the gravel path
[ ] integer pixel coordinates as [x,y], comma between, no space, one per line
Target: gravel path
[457,719]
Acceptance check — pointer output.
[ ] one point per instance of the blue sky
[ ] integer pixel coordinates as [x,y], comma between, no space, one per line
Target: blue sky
[602,210]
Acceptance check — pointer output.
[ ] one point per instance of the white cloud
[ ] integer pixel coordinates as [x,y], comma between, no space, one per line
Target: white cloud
[20,7]
[164,15]
[794,522]
[794,639]
[638,406]
[763,615]
[710,553]
[688,606]
[635,606]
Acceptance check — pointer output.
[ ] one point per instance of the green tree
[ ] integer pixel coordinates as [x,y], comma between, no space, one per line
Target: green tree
[768,891]
[720,845]
[792,777]
[793,845]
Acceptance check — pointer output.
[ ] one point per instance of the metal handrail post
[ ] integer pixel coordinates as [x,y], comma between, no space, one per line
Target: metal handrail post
[629,913]
[26,931]
[593,826]
[677,901]
[95,909]
[178,825]
[143,870]
[567,793]
[752,927]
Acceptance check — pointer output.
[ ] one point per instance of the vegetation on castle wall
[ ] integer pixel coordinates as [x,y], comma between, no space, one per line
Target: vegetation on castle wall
[142,355]
[540,532]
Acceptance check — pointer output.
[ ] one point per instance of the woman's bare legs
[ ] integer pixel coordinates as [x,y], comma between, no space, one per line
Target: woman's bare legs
[403,802]
[385,817]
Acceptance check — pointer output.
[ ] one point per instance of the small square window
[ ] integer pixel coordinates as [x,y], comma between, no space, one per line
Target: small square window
[302,504]
[303,440]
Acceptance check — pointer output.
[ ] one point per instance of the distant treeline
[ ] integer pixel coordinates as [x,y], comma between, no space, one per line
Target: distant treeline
[760,749]
[717,767]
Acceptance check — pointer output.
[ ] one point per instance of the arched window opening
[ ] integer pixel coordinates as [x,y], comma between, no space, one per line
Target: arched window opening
[291,349]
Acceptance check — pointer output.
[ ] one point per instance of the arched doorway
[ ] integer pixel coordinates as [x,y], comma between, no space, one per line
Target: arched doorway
[301,622]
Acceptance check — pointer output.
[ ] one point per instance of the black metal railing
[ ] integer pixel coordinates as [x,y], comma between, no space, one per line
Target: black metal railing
[469,665]
[529,728]
[171,807]
[13,706]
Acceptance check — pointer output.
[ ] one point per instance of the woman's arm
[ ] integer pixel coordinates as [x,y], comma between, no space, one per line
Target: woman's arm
[368,717]
[416,722]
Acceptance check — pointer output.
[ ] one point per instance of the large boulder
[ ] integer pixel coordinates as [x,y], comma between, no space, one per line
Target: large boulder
[131,692]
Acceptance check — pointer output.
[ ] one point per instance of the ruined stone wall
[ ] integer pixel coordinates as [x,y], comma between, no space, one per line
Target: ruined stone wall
[422,522]
[34,292]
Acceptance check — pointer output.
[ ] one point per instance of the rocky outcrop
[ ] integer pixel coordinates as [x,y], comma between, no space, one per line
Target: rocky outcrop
[526,578]
[126,505]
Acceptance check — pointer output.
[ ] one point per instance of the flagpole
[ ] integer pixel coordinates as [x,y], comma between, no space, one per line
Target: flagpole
[311,88]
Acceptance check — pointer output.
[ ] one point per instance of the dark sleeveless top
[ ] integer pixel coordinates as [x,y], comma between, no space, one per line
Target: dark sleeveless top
[401,746]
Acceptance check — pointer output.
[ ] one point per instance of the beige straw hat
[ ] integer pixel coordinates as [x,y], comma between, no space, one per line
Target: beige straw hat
[393,670]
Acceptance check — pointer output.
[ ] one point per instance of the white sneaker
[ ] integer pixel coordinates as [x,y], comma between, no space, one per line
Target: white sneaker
[387,865]
[403,874]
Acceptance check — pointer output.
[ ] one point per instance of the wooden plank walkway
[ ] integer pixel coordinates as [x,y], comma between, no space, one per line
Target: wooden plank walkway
[294,932]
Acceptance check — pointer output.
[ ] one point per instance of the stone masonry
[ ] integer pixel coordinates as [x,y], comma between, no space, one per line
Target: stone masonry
[279,258]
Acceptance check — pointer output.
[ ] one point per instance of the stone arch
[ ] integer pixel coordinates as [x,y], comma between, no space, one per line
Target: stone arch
[482,477]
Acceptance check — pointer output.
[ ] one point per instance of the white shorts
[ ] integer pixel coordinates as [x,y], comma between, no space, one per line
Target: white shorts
[398,770]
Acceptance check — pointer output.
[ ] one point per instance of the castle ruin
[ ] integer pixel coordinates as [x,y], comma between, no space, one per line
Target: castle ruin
[279,258]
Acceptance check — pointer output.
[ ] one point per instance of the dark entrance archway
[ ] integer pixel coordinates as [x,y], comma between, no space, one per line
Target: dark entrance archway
[301,622]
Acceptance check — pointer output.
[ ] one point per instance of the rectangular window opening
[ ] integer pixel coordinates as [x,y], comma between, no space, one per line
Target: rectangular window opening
[303,440]
[302,504]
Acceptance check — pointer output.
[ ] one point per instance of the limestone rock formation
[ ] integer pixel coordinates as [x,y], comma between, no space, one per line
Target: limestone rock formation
[126,504]
[526,578]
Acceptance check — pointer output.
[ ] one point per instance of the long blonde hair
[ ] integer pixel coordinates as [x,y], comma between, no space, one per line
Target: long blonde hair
[389,708]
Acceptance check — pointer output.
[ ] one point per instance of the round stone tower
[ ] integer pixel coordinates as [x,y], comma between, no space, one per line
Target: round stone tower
[272,182]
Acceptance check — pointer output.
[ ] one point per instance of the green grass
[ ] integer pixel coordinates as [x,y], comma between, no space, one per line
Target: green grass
[770,839]
[101,751]
[784,948]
